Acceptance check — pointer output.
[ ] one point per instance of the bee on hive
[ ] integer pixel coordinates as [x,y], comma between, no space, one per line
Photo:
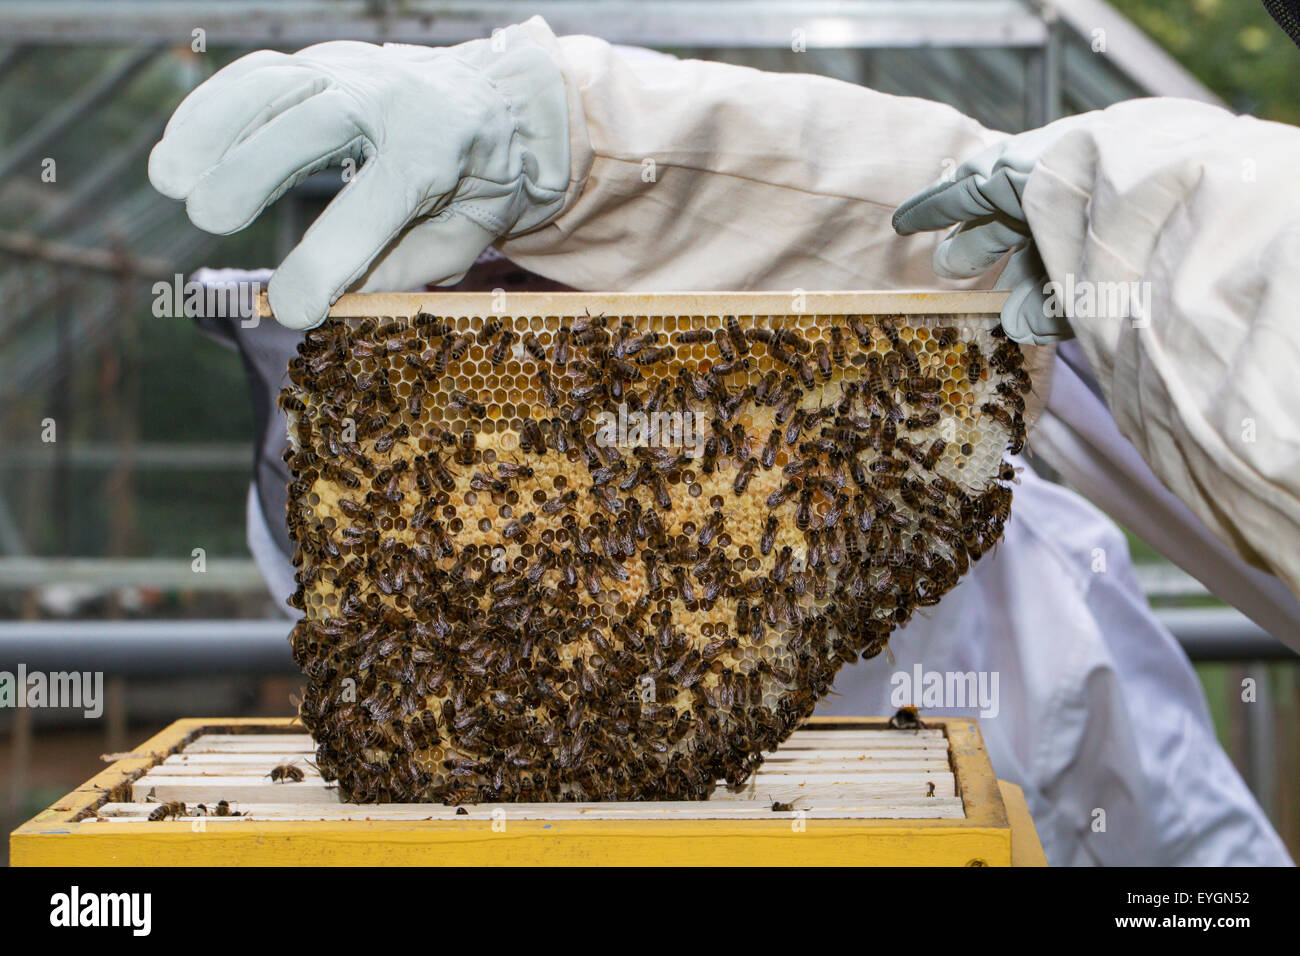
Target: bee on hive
[169,810]
[286,773]
[620,557]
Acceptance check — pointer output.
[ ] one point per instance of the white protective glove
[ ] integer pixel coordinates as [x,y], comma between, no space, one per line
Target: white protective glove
[982,198]
[457,147]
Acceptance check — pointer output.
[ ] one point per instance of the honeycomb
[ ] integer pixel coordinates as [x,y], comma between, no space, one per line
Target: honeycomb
[620,557]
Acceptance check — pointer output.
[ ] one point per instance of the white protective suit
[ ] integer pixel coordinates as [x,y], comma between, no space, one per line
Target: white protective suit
[777,181]
[1204,208]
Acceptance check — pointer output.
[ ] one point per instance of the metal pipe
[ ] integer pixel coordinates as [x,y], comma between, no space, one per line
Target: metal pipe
[212,647]
[841,24]
[148,648]
[1222,634]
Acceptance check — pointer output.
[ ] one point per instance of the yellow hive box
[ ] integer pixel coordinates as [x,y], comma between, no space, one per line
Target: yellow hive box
[859,792]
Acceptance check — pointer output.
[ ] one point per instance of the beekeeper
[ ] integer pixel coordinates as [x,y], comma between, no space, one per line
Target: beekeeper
[605,171]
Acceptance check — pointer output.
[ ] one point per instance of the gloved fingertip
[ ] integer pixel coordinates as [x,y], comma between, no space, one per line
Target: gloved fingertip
[949,266]
[294,311]
[1015,322]
[1048,327]
[166,174]
[899,221]
[212,212]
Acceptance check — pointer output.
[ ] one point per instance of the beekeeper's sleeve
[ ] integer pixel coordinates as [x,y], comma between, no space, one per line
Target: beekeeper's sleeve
[703,176]
[1197,212]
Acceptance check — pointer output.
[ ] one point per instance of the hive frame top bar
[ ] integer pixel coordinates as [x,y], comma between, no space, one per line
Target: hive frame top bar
[573,304]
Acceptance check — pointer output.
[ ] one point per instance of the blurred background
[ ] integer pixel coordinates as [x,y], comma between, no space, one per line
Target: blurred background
[154,421]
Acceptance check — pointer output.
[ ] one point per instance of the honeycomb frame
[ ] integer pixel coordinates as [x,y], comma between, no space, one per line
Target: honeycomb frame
[538,613]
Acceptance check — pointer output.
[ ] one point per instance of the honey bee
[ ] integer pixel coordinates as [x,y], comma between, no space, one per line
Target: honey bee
[587,393]
[660,488]
[926,419]
[823,356]
[738,340]
[875,379]
[933,454]
[169,810]
[803,515]
[562,339]
[839,351]
[712,525]
[460,400]
[482,482]
[534,348]
[974,362]
[426,323]
[549,395]
[743,476]
[518,530]
[466,453]
[769,535]
[683,583]
[999,413]
[459,346]
[861,330]
[513,471]
[652,356]
[1007,358]
[286,773]
[787,405]
[743,616]
[391,437]
[778,497]
[414,401]
[502,348]
[589,322]
[336,473]
[906,353]
[887,482]
[722,339]
[945,336]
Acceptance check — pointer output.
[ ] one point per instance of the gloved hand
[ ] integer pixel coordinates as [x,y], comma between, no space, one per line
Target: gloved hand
[982,198]
[460,145]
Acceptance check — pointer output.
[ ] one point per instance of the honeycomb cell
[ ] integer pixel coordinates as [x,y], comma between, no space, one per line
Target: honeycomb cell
[589,527]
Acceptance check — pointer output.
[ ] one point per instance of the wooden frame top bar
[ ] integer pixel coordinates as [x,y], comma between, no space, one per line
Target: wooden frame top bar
[574,304]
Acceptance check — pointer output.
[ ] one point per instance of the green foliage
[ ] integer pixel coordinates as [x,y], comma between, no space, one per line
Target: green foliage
[1231,46]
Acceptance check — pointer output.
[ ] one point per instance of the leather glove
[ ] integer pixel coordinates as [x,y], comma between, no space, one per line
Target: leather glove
[457,147]
[982,198]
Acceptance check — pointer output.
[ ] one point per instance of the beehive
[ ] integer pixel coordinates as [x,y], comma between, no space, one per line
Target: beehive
[838,791]
[570,547]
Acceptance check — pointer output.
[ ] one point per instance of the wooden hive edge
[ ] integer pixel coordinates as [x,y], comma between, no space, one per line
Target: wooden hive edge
[574,304]
[57,836]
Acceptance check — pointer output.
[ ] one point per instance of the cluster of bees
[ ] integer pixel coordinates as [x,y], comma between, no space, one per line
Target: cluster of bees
[502,604]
